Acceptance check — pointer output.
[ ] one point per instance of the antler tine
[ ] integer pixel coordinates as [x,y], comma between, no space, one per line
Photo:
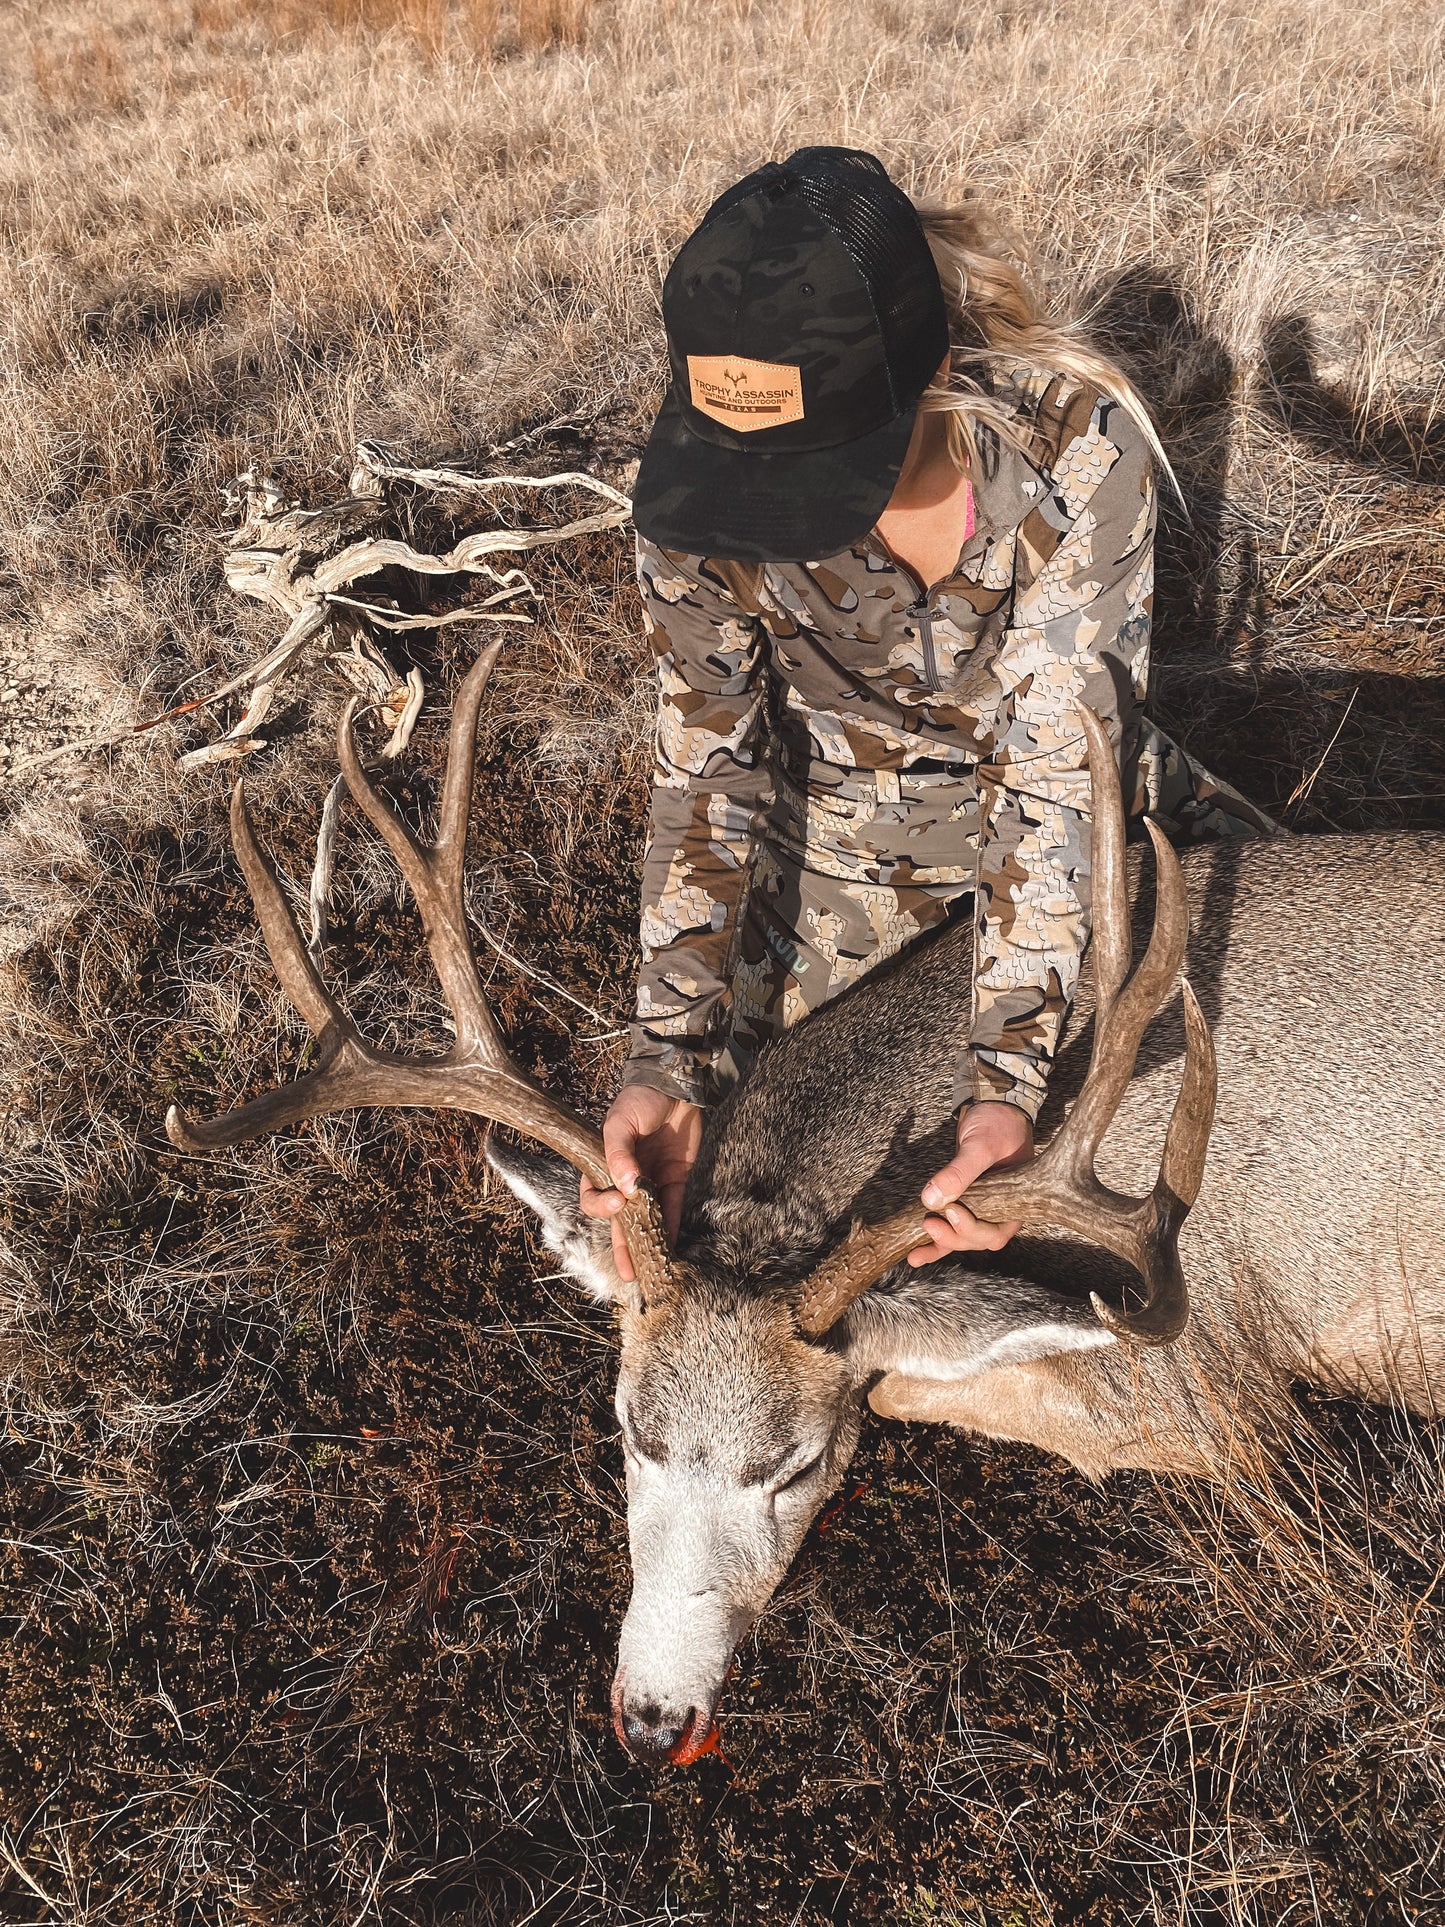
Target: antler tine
[1165,1311]
[1119,1032]
[462,760]
[1186,1145]
[344,1055]
[1060,1188]
[288,952]
[436,873]
[478,1074]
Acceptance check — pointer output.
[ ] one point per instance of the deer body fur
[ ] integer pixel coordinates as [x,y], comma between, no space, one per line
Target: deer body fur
[1316,1250]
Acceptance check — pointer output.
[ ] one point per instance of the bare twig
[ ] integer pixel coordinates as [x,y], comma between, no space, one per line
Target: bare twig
[548,983]
[11,1857]
[322,868]
[1306,783]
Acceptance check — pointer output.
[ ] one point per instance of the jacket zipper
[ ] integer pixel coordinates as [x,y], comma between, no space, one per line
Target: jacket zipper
[921,611]
[924,616]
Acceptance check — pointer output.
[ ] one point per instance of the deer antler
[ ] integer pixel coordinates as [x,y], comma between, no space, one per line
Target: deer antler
[477,1074]
[1060,1187]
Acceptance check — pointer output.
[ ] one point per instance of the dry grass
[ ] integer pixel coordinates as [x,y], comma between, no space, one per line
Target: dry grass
[314,1558]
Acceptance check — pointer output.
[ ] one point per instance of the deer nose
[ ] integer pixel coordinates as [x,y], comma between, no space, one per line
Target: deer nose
[646,1738]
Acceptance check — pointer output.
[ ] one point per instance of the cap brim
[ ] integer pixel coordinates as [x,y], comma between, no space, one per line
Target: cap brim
[763,505]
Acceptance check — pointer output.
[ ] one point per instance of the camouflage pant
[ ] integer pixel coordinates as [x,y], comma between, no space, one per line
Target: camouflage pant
[858,863]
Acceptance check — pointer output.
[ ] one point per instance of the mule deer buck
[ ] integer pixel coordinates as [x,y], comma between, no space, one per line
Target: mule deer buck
[748,1353]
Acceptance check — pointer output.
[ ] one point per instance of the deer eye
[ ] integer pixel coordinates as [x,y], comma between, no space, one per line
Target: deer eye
[635,1458]
[803,1473]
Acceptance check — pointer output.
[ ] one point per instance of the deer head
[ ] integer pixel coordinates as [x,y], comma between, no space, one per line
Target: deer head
[740,1389]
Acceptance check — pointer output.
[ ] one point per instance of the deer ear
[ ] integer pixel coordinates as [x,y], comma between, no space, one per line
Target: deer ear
[547,1184]
[947,1323]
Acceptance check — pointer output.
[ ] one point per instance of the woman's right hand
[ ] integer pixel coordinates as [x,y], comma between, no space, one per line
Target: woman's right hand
[645,1134]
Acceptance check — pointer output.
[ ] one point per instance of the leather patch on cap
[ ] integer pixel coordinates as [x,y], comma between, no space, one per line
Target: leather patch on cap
[746,394]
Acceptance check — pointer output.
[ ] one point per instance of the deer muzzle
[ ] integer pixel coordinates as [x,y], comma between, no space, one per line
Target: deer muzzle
[650,1737]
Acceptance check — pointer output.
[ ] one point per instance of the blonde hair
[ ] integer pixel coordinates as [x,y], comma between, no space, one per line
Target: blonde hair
[996,325]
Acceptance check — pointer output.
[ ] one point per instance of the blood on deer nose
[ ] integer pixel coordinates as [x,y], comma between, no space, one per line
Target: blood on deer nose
[646,1738]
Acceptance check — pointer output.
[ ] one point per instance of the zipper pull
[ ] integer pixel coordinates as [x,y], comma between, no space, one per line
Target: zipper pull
[923,615]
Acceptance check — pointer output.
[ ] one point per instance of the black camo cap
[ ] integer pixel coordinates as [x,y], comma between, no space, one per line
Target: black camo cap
[804,319]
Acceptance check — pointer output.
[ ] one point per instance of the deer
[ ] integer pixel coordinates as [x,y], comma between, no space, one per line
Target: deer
[1140,1316]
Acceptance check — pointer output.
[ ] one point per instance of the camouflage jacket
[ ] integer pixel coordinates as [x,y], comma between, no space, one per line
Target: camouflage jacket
[849,662]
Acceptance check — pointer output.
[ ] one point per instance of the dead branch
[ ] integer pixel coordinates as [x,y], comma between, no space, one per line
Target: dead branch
[286,557]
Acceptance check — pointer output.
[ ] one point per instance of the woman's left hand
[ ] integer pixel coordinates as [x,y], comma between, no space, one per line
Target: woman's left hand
[990,1137]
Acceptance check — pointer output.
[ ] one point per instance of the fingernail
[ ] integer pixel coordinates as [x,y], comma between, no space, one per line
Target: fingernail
[627,1184]
[932,1195]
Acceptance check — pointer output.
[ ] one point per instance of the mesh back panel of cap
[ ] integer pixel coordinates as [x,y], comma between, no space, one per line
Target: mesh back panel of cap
[879,226]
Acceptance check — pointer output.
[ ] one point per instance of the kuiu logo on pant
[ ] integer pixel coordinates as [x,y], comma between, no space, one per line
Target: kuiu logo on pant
[784,947]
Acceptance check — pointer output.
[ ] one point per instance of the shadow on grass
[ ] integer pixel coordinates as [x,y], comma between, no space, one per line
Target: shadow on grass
[1334,737]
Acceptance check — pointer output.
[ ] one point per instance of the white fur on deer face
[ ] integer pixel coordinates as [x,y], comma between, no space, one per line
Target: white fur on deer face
[736,1428]
[735,1431]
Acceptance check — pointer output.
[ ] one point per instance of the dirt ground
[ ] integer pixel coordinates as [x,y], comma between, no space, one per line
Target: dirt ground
[313,1557]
